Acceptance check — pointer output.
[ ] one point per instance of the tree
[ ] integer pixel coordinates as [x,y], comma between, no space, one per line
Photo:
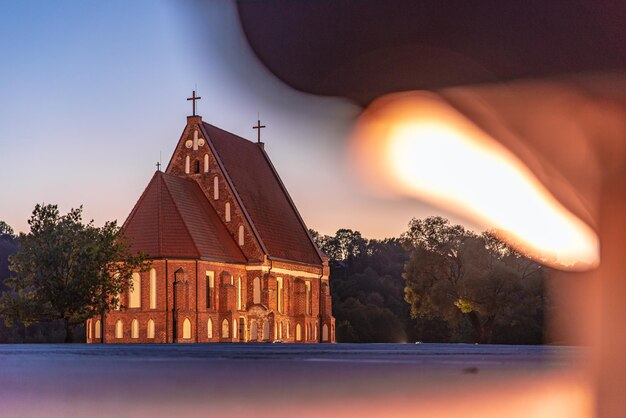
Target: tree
[8,247]
[455,274]
[6,231]
[65,269]
[326,244]
[347,245]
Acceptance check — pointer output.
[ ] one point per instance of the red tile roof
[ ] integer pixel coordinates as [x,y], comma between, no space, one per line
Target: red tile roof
[272,213]
[174,219]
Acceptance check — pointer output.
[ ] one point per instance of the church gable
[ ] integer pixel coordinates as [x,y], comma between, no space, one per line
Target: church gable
[240,182]
[194,158]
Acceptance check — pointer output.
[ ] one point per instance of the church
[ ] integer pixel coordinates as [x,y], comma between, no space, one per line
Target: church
[231,257]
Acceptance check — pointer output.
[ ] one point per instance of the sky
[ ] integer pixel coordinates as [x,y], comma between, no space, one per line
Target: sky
[93,95]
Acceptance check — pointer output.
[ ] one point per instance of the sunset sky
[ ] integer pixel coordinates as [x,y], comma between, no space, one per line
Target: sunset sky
[92,92]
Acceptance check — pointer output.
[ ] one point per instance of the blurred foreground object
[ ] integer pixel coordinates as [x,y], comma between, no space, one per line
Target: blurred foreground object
[542,161]
[362,49]
[425,145]
[550,149]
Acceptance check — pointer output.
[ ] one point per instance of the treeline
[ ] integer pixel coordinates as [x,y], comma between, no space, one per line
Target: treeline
[437,282]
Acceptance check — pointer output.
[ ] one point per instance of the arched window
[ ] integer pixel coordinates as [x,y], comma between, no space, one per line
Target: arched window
[216,188]
[307,301]
[288,329]
[209,328]
[240,234]
[225,329]
[325,333]
[197,164]
[150,333]
[279,294]
[98,330]
[135,292]
[119,329]
[235,329]
[227,211]
[153,289]
[187,164]
[118,297]
[315,331]
[134,329]
[89,329]
[280,331]
[298,332]
[186,328]
[256,290]
[239,304]
[306,332]
[206,163]
[254,331]
[266,330]
[210,283]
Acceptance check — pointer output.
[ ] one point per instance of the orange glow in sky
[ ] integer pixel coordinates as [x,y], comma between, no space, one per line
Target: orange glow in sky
[414,144]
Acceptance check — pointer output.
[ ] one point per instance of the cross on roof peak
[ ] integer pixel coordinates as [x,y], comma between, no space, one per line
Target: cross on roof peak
[258,127]
[193,98]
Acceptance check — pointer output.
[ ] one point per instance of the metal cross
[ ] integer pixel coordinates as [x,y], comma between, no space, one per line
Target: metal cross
[158,166]
[194,98]
[259,127]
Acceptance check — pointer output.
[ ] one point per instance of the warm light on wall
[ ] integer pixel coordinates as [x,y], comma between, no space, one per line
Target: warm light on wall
[415,144]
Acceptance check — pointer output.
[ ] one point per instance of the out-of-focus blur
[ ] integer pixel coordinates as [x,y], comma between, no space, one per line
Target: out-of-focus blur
[287,380]
[418,145]
[544,162]
[523,130]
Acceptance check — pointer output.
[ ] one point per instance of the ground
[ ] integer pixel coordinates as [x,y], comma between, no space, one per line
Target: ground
[271,379]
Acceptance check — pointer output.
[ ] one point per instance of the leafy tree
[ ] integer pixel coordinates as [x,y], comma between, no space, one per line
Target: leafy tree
[6,231]
[347,245]
[8,247]
[65,269]
[455,274]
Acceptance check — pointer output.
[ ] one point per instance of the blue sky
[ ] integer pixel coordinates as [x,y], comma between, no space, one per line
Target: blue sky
[93,91]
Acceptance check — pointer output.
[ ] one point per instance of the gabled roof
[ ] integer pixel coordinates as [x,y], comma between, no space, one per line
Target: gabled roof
[264,198]
[174,219]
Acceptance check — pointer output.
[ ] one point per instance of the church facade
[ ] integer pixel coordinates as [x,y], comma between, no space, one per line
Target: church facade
[231,258]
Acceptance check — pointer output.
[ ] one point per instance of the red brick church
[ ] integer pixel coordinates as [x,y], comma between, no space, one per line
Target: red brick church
[232,260]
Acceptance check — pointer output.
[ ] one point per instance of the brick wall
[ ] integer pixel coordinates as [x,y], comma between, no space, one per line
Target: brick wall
[191,298]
